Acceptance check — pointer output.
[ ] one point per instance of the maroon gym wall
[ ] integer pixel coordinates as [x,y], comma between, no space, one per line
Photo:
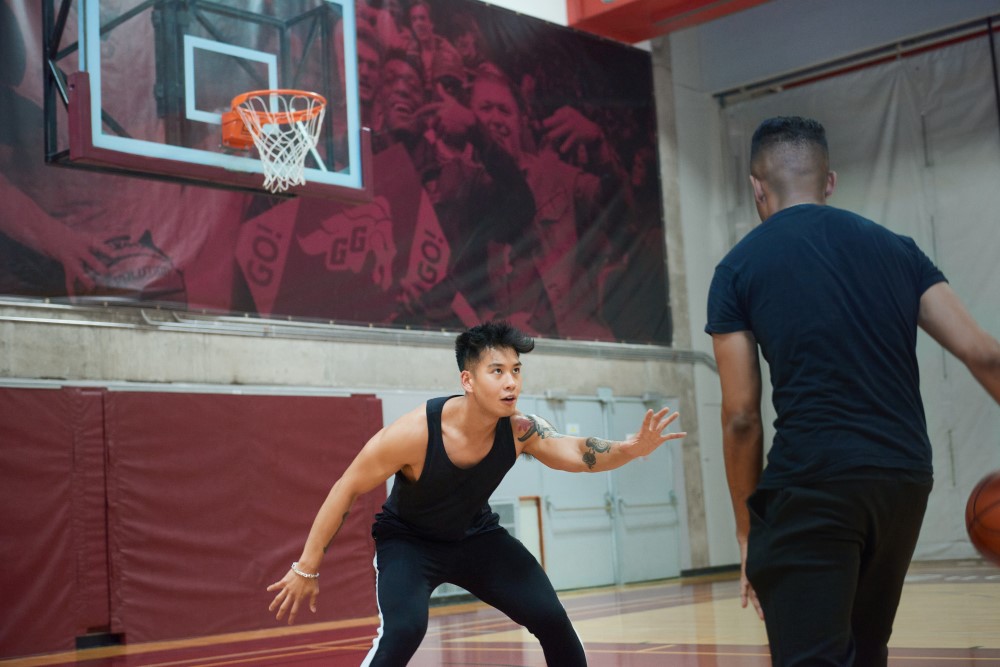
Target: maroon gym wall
[53,541]
[166,515]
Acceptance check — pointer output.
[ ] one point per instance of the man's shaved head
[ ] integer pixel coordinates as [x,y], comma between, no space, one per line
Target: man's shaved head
[790,153]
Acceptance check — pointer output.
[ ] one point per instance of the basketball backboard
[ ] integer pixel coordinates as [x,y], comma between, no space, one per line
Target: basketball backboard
[150,80]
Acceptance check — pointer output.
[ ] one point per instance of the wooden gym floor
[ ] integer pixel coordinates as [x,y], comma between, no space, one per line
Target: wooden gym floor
[949,615]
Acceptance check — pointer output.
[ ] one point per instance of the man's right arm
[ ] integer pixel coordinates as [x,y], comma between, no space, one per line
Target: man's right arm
[391,449]
[946,319]
[742,434]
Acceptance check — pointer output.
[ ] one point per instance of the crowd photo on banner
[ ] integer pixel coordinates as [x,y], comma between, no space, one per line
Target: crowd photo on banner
[515,175]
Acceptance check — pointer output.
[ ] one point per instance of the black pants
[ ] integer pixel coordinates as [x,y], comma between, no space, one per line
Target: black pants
[828,564]
[494,567]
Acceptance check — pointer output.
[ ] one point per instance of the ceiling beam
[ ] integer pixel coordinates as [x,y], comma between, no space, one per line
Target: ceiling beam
[632,21]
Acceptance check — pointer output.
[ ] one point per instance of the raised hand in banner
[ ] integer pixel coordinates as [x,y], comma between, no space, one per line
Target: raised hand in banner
[81,267]
[448,119]
[25,221]
[567,128]
[582,142]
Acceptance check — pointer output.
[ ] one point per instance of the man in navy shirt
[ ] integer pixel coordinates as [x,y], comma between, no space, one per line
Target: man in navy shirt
[833,301]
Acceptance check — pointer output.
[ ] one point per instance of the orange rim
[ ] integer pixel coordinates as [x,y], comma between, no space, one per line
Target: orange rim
[282,117]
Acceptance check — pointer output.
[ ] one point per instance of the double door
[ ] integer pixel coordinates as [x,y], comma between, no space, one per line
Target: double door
[606,528]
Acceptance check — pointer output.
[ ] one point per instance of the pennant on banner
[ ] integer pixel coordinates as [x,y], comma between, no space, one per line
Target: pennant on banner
[429,252]
[261,252]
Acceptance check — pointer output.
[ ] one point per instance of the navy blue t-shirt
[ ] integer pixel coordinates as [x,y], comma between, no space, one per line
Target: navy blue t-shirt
[832,299]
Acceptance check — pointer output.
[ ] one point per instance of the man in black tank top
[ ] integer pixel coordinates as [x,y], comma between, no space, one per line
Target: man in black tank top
[448,457]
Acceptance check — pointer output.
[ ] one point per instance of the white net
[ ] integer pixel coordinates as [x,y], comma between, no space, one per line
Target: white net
[285,128]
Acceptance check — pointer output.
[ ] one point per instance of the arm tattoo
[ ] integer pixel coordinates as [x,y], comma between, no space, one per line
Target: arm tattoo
[342,520]
[539,426]
[595,446]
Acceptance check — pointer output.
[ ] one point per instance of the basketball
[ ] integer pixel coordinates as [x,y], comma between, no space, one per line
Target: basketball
[982,517]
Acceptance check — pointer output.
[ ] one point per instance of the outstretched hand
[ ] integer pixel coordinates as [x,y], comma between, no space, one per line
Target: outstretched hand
[293,590]
[651,435]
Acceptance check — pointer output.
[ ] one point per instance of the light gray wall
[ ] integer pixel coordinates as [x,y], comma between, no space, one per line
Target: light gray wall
[696,239]
[696,552]
[42,341]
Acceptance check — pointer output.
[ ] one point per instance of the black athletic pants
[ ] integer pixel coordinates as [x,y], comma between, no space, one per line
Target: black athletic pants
[494,567]
[828,563]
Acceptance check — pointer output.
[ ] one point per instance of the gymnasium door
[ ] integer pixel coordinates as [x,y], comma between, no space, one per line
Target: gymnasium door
[647,521]
[610,528]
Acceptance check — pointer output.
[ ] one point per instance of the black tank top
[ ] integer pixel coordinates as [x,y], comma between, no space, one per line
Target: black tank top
[447,503]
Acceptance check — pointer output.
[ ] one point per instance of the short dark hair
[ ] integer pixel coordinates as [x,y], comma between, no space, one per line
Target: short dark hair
[793,130]
[413,62]
[499,333]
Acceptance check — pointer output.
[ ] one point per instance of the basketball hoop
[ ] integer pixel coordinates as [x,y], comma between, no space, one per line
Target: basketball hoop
[284,125]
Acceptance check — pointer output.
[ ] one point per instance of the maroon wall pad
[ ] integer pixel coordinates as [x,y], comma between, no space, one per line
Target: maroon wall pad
[211,498]
[53,570]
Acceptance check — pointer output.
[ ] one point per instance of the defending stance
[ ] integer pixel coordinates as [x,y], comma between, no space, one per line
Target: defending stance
[448,457]
[834,301]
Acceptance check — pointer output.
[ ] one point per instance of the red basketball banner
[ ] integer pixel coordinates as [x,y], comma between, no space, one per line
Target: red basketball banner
[515,175]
